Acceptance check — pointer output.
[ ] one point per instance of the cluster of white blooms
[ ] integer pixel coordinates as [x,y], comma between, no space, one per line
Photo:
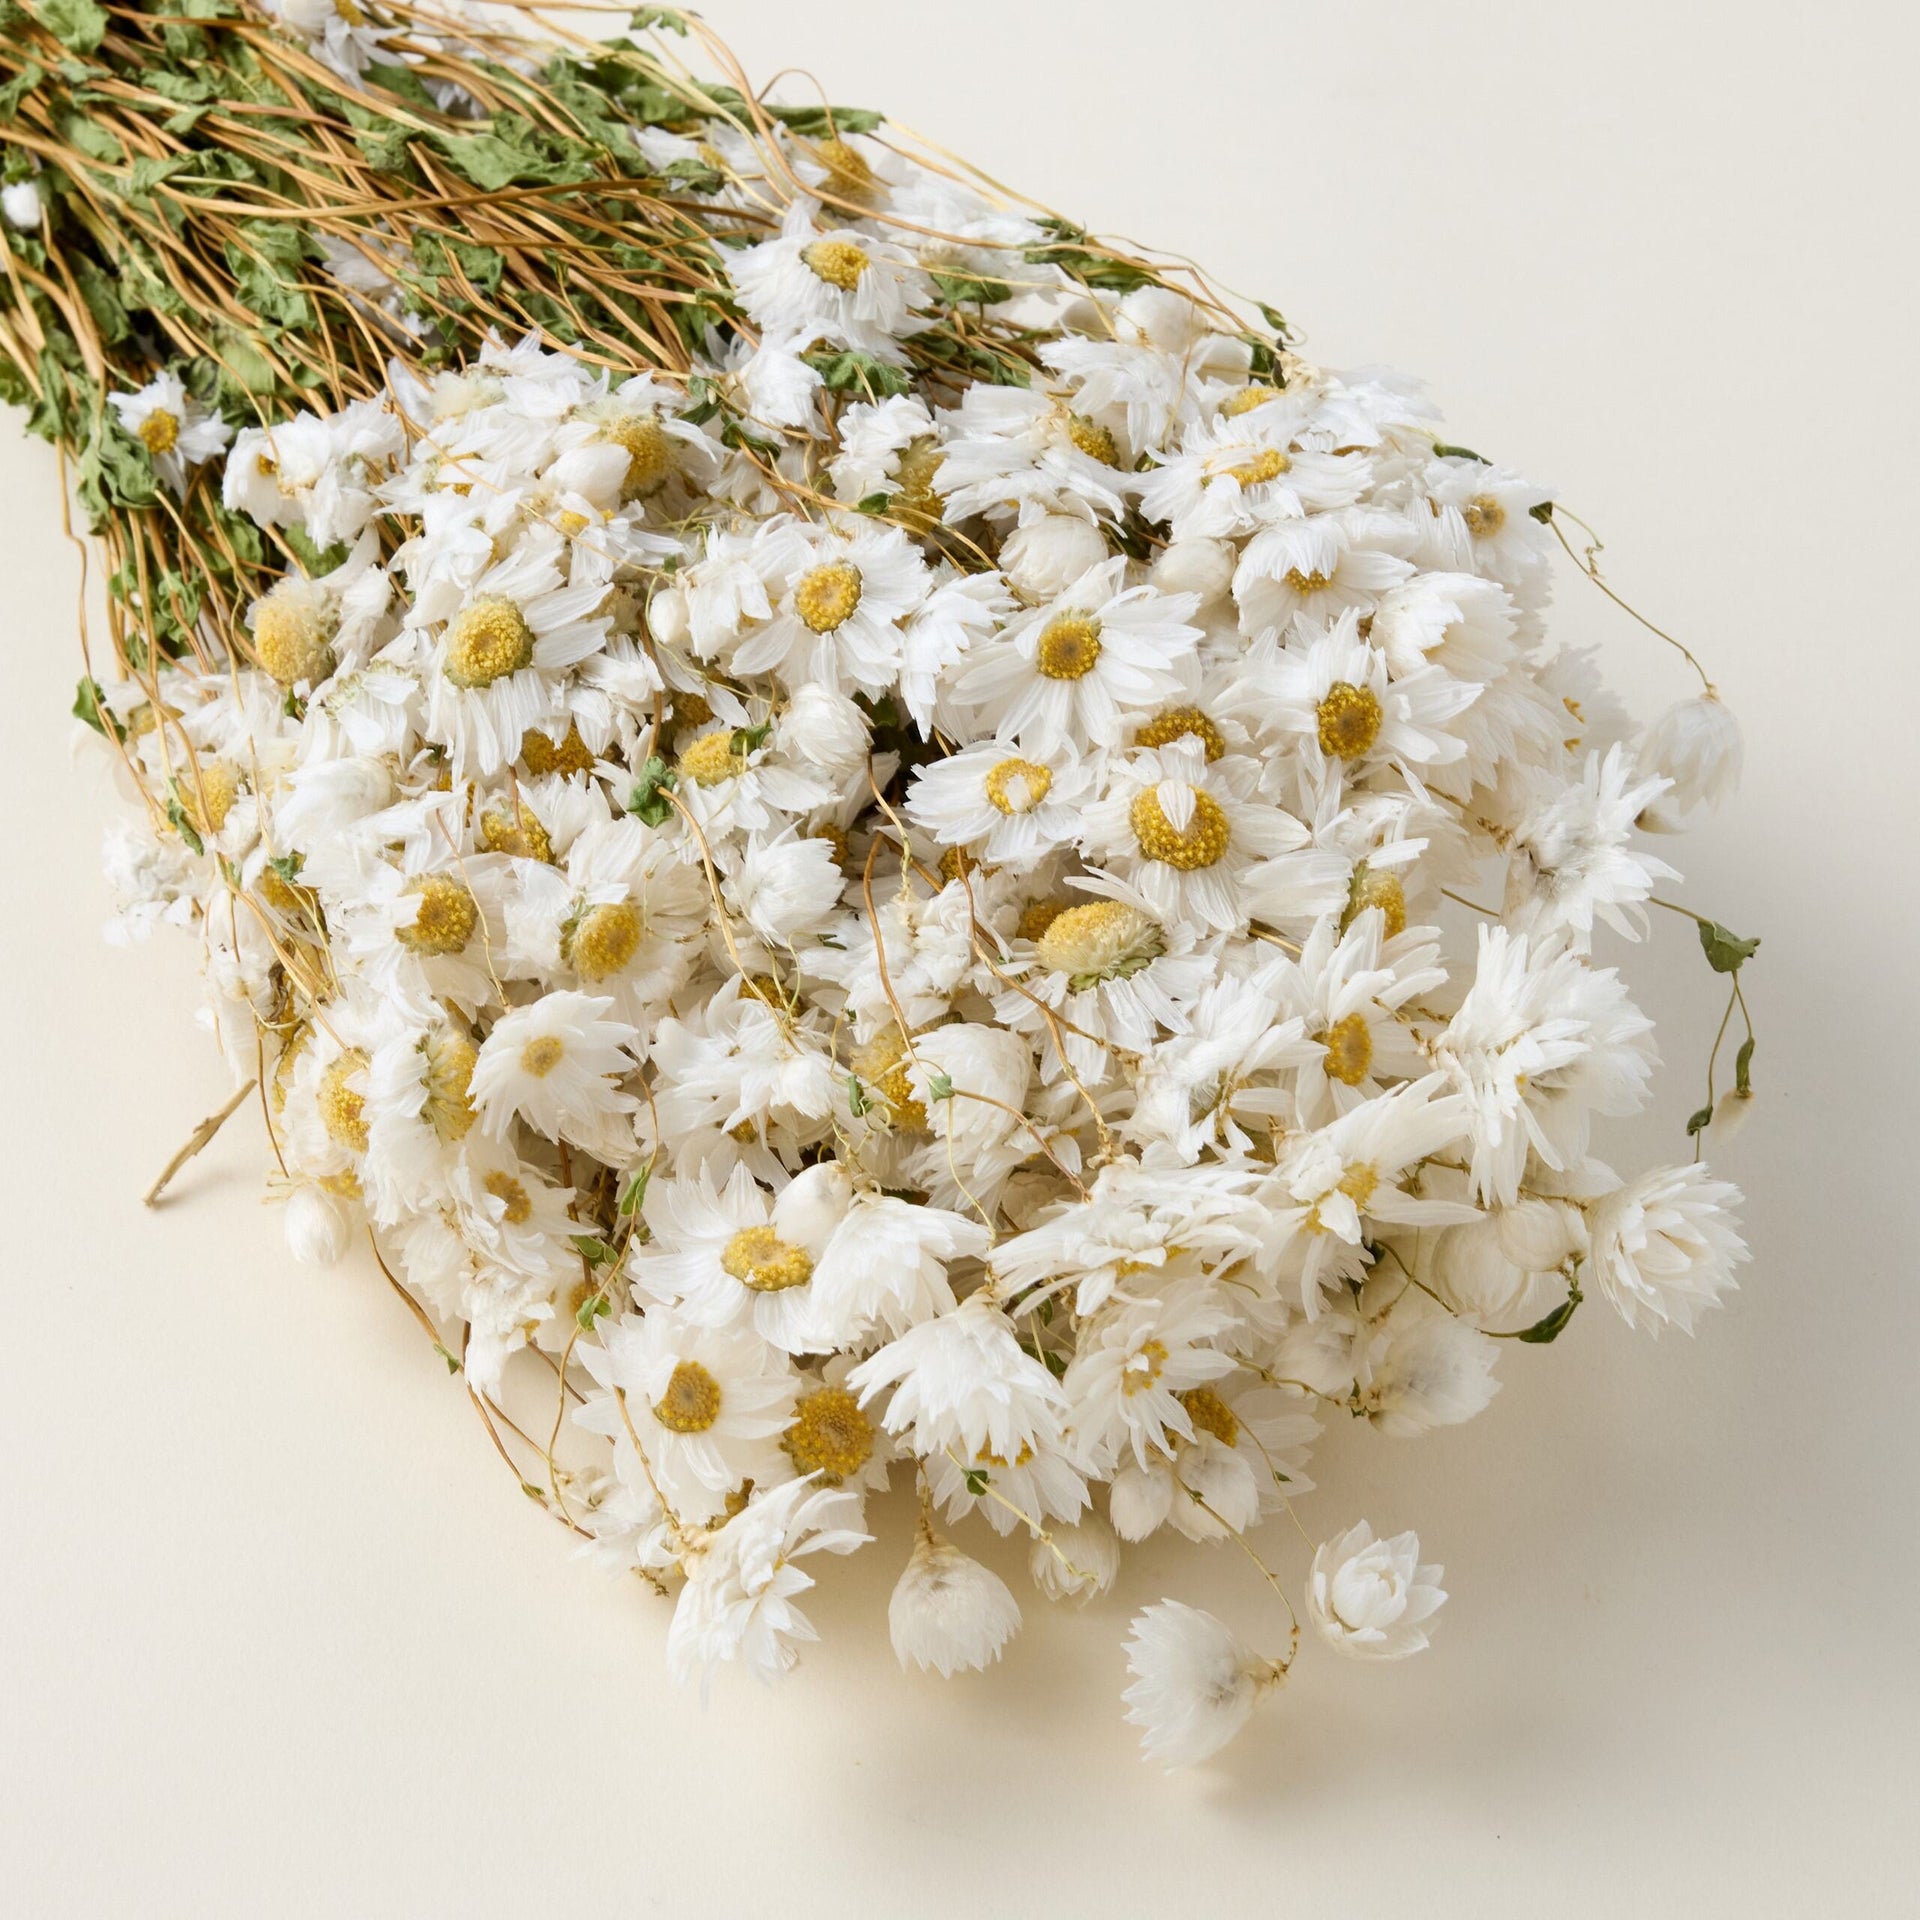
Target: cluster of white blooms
[864,916]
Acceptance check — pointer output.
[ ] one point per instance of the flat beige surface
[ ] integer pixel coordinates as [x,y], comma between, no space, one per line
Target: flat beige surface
[283,1640]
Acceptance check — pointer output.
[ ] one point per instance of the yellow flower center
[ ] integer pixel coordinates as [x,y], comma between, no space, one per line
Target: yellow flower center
[293,631]
[1103,940]
[1374,888]
[1247,399]
[488,640]
[838,262]
[210,796]
[920,460]
[759,1259]
[159,432]
[446,920]
[342,1109]
[836,837]
[1349,1045]
[541,1055]
[1069,646]
[830,1436]
[518,833]
[1349,720]
[1202,844]
[691,1403]
[882,1064]
[603,940]
[450,1061]
[710,759]
[649,448]
[1180,723]
[1017,786]
[1358,1183]
[1210,1414]
[1484,515]
[1310,582]
[1268,464]
[826,597]
[1144,1366]
[1092,439]
[847,171]
[516,1204]
[540,756]
[1037,916]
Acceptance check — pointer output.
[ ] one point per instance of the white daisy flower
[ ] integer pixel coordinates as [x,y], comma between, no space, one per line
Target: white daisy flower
[557,1064]
[1665,1246]
[1194,1683]
[708,1405]
[1190,838]
[738,1603]
[492,671]
[176,430]
[733,1255]
[1323,566]
[1072,672]
[837,620]
[994,800]
[851,289]
[1370,1599]
[948,1612]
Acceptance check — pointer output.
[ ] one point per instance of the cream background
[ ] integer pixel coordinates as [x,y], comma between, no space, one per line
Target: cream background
[282,1638]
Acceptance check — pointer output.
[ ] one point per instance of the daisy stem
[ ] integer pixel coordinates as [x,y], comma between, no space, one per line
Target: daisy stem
[199,1139]
[1590,566]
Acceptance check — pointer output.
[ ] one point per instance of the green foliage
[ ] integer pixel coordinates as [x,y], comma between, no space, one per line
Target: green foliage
[78,25]
[1726,952]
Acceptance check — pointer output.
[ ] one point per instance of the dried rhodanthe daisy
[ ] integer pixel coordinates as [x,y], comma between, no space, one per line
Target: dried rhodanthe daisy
[879,852]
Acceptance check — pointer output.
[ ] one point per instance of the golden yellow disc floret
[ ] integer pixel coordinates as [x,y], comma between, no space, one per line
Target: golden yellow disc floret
[1247,399]
[1210,1414]
[159,432]
[293,630]
[711,759]
[1484,515]
[1092,439]
[1349,1045]
[848,174]
[882,1064]
[760,1260]
[1202,844]
[838,262]
[830,1436]
[1267,464]
[691,1403]
[542,1054]
[516,1204]
[518,833]
[1308,582]
[540,756]
[450,1063]
[1017,786]
[1069,647]
[651,451]
[446,920]
[488,639]
[1349,720]
[1102,940]
[603,940]
[1037,916]
[1181,723]
[826,597]
[209,795]
[342,1109]
[1374,888]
